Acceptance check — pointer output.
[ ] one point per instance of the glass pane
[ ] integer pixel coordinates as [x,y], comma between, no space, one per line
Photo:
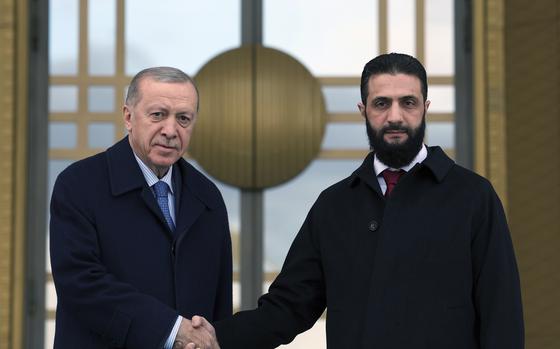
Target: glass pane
[50,296]
[179,33]
[439,37]
[345,136]
[62,135]
[401,22]
[55,167]
[341,99]
[101,134]
[442,99]
[331,38]
[102,34]
[49,334]
[63,98]
[63,37]
[101,99]
[441,133]
[286,206]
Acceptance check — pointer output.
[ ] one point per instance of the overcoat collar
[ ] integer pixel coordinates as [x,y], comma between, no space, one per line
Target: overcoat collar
[192,194]
[437,162]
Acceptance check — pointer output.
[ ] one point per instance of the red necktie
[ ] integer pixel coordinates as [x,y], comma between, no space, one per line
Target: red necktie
[391,178]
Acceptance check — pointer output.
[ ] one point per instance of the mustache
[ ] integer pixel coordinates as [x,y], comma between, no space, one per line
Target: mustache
[398,128]
[166,143]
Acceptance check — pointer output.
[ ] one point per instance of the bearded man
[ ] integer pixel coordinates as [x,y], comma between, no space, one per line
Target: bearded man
[410,251]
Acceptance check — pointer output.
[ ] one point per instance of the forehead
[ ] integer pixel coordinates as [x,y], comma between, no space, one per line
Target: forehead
[151,90]
[394,86]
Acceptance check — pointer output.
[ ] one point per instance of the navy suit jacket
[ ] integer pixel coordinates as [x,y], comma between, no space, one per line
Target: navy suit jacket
[121,276]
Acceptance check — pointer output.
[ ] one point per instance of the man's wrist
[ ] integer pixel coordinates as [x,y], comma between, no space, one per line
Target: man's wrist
[171,339]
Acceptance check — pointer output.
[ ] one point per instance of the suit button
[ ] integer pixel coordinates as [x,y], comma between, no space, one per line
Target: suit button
[373,225]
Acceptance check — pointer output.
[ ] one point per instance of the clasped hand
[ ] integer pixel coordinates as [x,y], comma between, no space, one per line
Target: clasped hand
[196,334]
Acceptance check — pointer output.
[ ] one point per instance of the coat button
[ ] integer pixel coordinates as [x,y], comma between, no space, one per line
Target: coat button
[373,225]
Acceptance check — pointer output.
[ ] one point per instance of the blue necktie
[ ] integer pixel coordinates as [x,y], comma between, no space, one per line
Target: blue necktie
[161,188]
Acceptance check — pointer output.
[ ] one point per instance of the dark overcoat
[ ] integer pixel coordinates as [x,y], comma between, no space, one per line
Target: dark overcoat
[431,267]
[121,275]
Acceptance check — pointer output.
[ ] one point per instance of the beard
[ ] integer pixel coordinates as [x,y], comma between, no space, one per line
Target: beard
[396,155]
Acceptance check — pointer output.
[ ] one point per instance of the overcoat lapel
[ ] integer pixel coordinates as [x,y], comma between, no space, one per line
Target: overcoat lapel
[190,206]
[125,176]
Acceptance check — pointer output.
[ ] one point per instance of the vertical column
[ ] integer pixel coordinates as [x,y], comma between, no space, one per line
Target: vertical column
[463,83]
[251,269]
[9,302]
[35,96]
[251,247]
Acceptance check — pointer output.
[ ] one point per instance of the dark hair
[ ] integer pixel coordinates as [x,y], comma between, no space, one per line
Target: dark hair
[393,63]
[160,74]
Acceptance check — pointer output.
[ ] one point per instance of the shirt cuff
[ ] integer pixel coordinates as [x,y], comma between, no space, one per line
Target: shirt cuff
[171,339]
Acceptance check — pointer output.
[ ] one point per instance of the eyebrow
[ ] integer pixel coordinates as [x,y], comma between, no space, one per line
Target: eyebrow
[402,98]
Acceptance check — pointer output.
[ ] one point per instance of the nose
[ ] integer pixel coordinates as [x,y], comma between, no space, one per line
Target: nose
[395,114]
[169,127]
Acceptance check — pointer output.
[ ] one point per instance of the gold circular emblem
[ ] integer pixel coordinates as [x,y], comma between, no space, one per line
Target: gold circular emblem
[261,120]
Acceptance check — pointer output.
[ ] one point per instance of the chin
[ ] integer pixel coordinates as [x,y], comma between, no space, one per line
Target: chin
[164,162]
[395,141]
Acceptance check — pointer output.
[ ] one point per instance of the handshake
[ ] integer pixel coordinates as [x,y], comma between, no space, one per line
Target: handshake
[197,333]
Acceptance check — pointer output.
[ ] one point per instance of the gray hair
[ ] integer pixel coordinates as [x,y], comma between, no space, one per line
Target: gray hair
[160,74]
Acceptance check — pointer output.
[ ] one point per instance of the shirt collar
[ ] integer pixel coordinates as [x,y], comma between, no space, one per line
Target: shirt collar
[151,177]
[379,167]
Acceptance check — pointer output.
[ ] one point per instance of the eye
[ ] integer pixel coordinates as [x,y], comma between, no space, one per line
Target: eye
[380,103]
[410,102]
[157,116]
[184,119]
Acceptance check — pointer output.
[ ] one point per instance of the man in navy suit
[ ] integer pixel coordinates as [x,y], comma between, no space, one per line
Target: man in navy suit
[409,251]
[139,238]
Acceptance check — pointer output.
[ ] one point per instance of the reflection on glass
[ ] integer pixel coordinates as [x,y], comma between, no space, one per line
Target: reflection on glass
[441,133]
[331,38]
[101,134]
[101,99]
[345,136]
[439,37]
[63,98]
[102,33]
[186,34]
[442,99]
[62,135]
[401,22]
[63,37]
[341,99]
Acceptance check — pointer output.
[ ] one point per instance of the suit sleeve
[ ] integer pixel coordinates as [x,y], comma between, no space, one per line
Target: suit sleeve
[116,311]
[497,292]
[294,302]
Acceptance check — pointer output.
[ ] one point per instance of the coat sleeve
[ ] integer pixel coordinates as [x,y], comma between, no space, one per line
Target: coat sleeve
[295,300]
[497,292]
[121,315]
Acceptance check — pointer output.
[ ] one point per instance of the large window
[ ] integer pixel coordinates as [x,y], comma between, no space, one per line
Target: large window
[96,47]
